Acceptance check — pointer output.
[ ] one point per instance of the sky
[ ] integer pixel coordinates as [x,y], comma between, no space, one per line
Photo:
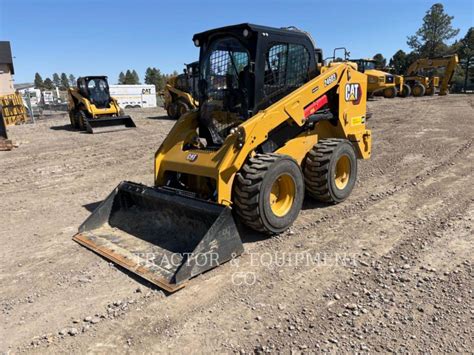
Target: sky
[104,37]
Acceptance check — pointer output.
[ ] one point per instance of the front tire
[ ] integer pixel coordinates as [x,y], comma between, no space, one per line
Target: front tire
[182,108]
[390,93]
[72,119]
[331,170]
[172,111]
[81,119]
[269,192]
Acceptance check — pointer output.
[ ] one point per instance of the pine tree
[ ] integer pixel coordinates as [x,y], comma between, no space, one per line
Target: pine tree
[399,62]
[56,80]
[72,80]
[380,61]
[121,78]
[466,57]
[39,83]
[153,76]
[136,78]
[64,82]
[129,79]
[48,84]
[429,40]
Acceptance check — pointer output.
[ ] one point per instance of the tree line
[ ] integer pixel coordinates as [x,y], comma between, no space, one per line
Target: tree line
[62,82]
[430,41]
[153,76]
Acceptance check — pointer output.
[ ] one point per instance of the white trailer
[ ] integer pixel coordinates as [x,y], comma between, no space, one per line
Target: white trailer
[134,96]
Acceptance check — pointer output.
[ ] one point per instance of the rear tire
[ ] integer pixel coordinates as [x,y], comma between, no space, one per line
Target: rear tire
[418,90]
[269,192]
[331,170]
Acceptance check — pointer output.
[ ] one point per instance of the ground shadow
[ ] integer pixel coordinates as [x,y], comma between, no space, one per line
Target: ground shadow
[66,127]
[162,118]
[311,204]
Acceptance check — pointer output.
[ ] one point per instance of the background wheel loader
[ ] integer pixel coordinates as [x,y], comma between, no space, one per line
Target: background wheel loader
[91,106]
[181,92]
[425,76]
[380,82]
[271,127]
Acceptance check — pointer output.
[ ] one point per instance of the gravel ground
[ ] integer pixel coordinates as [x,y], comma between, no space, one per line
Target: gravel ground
[388,270]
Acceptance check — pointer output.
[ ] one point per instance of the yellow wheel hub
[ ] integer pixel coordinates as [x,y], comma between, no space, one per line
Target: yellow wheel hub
[343,172]
[282,195]
[417,91]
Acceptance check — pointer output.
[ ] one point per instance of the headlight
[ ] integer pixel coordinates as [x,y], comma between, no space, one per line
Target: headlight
[246,33]
[389,79]
[196,42]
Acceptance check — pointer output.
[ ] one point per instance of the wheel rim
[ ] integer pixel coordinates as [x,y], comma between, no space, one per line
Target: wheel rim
[343,172]
[282,195]
[417,91]
[182,110]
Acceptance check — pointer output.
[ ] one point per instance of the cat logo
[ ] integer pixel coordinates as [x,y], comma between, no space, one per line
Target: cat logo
[353,93]
[192,157]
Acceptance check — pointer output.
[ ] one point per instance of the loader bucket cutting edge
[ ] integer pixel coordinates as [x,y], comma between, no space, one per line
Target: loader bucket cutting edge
[159,235]
[92,123]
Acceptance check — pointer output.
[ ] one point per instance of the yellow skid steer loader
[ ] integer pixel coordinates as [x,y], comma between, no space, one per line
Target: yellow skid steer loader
[181,91]
[271,127]
[91,106]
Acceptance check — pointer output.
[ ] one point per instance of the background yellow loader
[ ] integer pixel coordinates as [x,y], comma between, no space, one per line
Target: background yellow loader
[181,92]
[428,75]
[381,82]
[272,127]
[91,106]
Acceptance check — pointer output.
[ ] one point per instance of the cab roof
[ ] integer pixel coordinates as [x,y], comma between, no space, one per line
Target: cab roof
[286,31]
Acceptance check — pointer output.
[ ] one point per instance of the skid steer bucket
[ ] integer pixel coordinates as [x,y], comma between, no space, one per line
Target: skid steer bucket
[164,237]
[94,123]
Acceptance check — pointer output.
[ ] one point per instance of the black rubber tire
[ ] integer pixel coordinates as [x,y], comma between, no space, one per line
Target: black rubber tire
[172,111]
[390,93]
[72,119]
[422,90]
[320,170]
[182,108]
[406,91]
[81,119]
[252,187]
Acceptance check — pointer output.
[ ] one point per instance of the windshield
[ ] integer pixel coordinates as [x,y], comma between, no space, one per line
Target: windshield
[364,65]
[98,92]
[369,65]
[223,72]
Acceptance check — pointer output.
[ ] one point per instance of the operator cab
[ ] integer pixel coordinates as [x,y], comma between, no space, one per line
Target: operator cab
[187,81]
[364,64]
[246,68]
[96,89]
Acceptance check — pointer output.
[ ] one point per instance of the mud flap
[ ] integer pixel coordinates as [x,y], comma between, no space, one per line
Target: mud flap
[94,123]
[164,237]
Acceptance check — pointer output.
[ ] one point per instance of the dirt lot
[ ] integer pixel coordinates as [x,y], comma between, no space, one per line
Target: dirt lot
[390,269]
